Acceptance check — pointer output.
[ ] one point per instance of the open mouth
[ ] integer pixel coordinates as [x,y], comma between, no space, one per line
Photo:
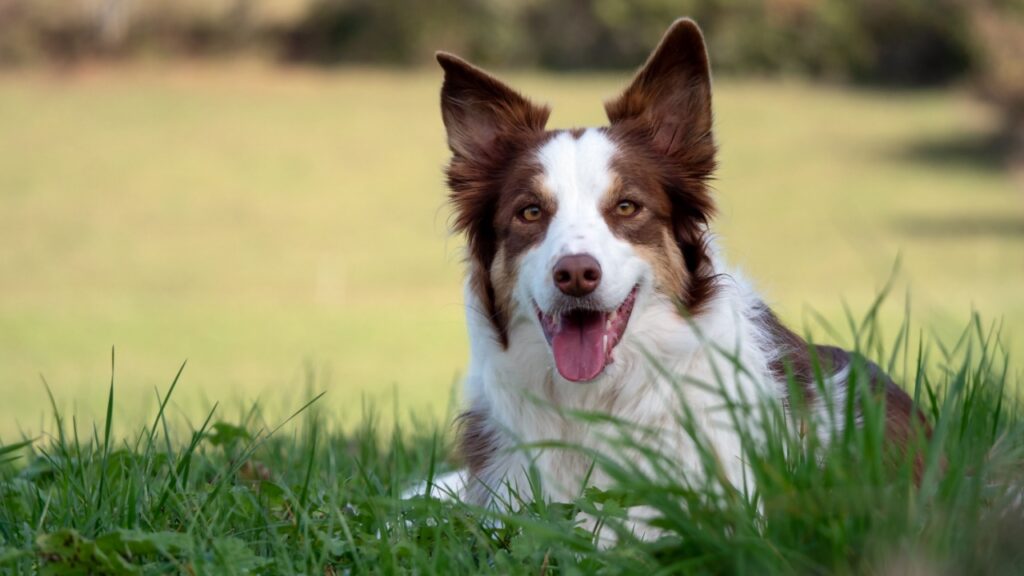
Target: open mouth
[583,339]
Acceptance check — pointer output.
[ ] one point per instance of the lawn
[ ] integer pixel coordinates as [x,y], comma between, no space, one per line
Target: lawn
[285,230]
[241,494]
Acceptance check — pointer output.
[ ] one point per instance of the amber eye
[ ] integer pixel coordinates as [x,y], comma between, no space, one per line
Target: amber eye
[626,208]
[531,213]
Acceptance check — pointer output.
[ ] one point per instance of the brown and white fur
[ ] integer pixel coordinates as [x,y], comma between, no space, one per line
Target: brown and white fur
[661,312]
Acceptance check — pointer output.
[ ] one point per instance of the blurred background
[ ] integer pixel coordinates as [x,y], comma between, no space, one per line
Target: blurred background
[256,185]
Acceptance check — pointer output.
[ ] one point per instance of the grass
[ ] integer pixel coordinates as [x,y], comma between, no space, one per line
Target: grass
[235,494]
[264,223]
[284,230]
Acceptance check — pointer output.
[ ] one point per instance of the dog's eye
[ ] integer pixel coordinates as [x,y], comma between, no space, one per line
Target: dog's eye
[626,208]
[531,213]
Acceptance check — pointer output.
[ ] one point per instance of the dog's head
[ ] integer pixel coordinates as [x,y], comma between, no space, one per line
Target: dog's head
[573,230]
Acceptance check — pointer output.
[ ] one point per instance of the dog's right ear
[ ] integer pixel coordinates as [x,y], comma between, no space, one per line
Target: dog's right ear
[480,111]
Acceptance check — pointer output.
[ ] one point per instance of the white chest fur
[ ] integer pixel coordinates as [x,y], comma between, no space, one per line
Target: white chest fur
[666,367]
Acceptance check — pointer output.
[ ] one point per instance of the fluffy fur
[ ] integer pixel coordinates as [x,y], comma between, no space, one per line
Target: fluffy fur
[634,196]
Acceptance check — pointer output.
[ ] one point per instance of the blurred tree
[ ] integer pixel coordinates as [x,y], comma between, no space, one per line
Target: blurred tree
[398,32]
[901,42]
[999,29]
[915,42]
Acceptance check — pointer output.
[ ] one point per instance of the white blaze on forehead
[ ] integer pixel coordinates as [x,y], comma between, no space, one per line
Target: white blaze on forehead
[578,173]
[577,170]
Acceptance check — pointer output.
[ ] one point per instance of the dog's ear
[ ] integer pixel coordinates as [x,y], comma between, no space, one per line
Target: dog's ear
[479,110]
[671,94]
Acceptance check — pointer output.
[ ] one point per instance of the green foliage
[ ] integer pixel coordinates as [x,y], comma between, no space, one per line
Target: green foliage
[244,497]
[395,32]
[1000,26]
[892,41]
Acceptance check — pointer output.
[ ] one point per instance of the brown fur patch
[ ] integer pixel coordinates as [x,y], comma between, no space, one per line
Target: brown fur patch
[649,230]
[513,235]
[477,441]
[490,129]
[808,365]
[523,188]
[678,201]
[905,425]
[662,124]
[793,358]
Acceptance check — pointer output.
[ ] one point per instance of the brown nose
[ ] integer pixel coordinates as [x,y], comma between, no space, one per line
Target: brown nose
[577,274]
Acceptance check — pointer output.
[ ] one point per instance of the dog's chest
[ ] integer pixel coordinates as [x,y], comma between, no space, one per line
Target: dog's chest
[569,428]
[668,384]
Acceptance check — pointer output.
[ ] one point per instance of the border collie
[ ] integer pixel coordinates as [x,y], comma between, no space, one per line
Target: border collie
[594,286]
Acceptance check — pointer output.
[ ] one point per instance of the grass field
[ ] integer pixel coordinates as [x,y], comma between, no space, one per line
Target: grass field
[285,232]
[286,229]
[239,494]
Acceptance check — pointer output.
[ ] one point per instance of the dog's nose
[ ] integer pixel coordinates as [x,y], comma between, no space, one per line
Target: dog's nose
[577,274]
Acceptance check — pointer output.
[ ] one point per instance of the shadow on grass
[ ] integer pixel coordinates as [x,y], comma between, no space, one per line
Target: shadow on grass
[961,227]
[985,151]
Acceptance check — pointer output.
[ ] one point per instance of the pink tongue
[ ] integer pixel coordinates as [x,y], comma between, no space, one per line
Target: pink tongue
[579,347]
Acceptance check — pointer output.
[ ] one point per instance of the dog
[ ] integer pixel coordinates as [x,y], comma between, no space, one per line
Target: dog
[594,286]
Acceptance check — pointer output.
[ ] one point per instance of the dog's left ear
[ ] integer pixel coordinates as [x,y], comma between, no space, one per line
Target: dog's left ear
[671,94]
[479,111]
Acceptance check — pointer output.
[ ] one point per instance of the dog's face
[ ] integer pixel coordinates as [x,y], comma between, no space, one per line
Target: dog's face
[572,231]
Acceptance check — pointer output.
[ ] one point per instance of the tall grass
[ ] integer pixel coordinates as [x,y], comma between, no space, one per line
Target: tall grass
[244,496]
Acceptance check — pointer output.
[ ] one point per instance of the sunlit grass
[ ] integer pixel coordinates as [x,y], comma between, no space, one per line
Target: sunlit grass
[259,221]
[241,493]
